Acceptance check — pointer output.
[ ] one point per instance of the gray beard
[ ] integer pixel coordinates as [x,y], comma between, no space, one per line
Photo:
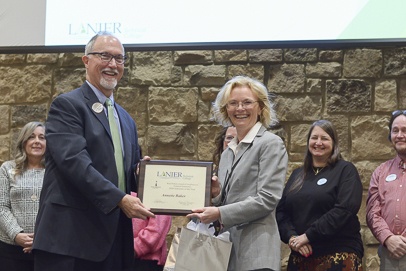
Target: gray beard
[108,84]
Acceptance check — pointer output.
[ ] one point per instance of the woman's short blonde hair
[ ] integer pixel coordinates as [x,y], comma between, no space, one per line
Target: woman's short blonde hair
[267,116]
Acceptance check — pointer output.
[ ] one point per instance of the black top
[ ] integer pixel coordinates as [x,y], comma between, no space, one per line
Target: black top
[325,208]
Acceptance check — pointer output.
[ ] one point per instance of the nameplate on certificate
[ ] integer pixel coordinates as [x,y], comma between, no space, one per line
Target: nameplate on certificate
[175,187]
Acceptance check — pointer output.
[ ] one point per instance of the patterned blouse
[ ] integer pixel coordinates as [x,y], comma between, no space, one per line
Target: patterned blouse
[19,200]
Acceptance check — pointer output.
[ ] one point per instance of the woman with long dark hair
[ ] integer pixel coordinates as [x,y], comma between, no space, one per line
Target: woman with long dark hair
[317,215]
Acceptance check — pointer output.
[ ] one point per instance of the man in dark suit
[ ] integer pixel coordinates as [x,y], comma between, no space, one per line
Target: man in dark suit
[83,221]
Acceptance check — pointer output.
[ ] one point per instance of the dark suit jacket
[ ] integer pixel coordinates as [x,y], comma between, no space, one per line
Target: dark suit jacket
[78,214]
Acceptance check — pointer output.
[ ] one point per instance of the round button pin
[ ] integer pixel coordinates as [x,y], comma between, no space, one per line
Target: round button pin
[97,107]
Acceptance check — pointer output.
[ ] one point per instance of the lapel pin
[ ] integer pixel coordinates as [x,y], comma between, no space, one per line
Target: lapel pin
[97,107]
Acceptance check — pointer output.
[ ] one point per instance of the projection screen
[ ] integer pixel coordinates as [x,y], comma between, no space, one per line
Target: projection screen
[56,25]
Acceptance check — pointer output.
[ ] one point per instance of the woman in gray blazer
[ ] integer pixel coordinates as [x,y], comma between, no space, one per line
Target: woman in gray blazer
[250,178]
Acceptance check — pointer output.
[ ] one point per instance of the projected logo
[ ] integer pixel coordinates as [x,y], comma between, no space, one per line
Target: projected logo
[93,28]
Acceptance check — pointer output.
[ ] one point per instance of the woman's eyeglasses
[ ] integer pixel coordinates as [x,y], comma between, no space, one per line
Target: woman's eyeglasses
[247,104]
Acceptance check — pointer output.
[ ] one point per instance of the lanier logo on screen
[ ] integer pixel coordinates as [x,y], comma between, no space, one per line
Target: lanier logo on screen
[75,29]
[185,21]
[74,33]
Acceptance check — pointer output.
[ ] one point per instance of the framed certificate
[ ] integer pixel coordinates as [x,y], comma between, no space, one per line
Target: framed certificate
[175,187]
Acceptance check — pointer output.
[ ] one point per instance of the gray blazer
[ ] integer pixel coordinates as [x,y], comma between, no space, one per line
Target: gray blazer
[248,209]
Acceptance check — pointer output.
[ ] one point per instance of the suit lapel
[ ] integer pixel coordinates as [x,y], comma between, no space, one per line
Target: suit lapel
[246,146]
[243,148]
[92,100]
[240,153]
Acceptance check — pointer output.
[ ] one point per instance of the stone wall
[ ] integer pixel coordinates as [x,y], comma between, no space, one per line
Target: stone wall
[169,94]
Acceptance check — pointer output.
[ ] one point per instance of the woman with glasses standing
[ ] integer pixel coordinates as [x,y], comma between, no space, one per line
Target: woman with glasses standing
[250,178]
[20,187]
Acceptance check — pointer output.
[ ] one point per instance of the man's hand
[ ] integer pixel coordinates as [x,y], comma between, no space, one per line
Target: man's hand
[133,208]
[396,244]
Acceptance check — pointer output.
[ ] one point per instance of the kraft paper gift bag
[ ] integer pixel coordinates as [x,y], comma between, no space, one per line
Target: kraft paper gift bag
[201,252]
[173,251]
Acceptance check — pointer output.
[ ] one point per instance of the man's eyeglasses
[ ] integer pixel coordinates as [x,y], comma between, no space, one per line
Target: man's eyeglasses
[247,104]
[398,113]
[106,57]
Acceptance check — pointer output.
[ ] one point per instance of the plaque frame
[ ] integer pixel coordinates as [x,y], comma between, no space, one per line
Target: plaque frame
[151,191]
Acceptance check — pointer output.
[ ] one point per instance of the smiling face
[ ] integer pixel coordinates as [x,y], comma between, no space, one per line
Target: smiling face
[243,118]
[398,135]
[320,146]
[104,75]
[35,145]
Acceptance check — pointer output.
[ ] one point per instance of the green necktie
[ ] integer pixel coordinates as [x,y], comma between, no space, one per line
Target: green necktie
[118,154]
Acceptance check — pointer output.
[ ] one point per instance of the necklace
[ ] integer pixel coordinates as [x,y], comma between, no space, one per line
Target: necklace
[317,170]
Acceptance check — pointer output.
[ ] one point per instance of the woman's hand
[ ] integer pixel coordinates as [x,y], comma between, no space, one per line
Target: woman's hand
[25,240]
[306,250]
[215,186]
[137,170]
[301,244]
[206,214]
[27,249]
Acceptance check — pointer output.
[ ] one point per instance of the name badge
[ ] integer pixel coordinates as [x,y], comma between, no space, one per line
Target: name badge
[97,107]
[322,181]
[391,178]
